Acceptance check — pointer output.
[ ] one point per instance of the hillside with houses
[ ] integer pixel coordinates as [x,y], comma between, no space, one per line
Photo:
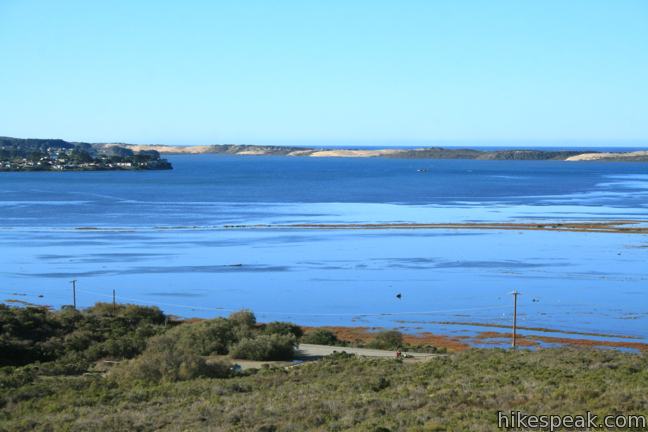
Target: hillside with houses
[58,155]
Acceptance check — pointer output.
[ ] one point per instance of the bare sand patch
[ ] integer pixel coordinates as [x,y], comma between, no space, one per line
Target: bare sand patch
[354,153]
[603,156]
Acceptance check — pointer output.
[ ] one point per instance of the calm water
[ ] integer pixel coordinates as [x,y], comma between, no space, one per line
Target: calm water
[158,239]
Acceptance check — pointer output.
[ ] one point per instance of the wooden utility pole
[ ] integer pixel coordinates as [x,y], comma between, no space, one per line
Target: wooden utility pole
[114,304]
[515,296]
[73,282]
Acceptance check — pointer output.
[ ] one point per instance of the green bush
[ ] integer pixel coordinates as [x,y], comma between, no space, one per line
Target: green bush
[387,340]
[132,313]
[12,377]
[71,341]
[23,331]
[243,324]
[37,334]
[165,360]
[265,347]
[206,337]
[284,328]
[243,318]
[320,337]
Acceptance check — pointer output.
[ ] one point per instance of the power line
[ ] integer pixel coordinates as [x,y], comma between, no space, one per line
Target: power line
[515,296]
[73,282]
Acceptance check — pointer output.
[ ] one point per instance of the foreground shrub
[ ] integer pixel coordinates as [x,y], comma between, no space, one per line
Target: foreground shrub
[243,324]
[265,347]
[387,340]
[207,337]
[165,360]
[341,392]
[243,318]
[37,334]
[131,313]
[320,337]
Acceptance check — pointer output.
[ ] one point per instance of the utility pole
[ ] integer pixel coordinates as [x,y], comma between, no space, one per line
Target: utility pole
[515,296]
[73,282]
[114,304]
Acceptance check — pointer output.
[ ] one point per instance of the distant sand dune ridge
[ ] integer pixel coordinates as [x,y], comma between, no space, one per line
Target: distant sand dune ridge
[607,156]
[164,149]
[420,153]
[354,153]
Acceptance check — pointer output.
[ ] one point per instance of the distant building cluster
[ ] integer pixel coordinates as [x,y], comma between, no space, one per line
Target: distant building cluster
[27,157]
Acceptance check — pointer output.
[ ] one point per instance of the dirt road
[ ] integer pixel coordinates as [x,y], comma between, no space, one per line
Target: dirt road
[309,350]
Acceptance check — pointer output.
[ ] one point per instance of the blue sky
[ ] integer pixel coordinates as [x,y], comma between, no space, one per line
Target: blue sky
[337,71]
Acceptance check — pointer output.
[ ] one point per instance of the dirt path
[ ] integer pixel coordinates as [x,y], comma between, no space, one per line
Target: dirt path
[309,350]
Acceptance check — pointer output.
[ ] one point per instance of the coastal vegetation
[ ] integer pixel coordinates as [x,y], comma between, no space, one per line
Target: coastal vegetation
[321,337]
[70,341]
[130,367]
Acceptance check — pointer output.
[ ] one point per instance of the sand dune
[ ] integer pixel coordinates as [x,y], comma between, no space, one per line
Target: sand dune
[164,149]
[354,153]
[607,156]
[431,153]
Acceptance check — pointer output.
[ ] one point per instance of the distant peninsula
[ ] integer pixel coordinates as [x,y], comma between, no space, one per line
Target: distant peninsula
[418,153]
[18,154]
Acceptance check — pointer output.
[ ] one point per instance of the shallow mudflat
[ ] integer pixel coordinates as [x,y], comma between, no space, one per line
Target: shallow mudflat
[346,277]
[628,227]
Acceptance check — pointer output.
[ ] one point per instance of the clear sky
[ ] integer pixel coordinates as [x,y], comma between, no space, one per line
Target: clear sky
[356,71]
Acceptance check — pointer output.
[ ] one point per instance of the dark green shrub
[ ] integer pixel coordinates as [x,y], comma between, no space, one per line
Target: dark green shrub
[164,360]
[126,346]
[284,328]
[387,340]
[243,318]
[207,337]
[22,331]
[243,324]
[131,313]
[12,377]
[320,337]
[265,347]
[36,334]
[71,363]
[380,384]
[79,340]
[135,313]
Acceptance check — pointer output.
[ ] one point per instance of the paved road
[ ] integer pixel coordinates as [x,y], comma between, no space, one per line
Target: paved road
[309,350]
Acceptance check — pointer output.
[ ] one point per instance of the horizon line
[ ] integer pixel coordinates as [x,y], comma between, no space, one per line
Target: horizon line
[387,142]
